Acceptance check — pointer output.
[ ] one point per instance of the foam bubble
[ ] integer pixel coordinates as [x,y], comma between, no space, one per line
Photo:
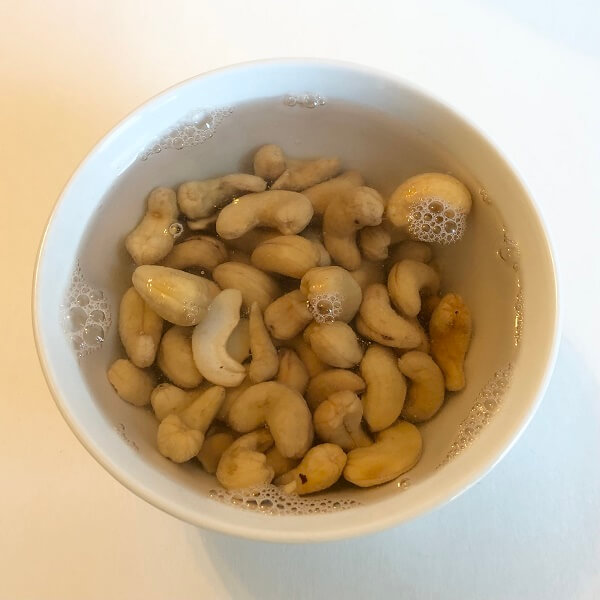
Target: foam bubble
[433,220]
[306,100]
[325,308]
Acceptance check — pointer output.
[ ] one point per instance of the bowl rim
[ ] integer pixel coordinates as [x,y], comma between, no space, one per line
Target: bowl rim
[461,484]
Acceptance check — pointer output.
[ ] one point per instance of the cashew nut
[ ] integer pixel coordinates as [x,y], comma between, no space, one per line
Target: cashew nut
[280,464]
[302,174]
[244,464]
[290,255]
[288,212]
[426,390]
[287,316]
[386,387]
[292,371]
[203,252]
[203,223]
[314,365]
[150,240]
[178,441]
[175,358]
[322,385]
[132,384]
[334,343]
[322,194]
[407,280]
[178,297]
[316,238]
[199,199]
[254,285]
[203,409]
[368,273]
[212,450]
[320,468]
[209,340]
[265,362]
[395,451]
[140,329]
[282,409]
[338,420]
[269,162]
[410,249]
[231,395]
[168,399]
[450,330]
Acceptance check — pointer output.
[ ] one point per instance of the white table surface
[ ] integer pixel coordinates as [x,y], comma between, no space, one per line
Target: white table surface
[527,73]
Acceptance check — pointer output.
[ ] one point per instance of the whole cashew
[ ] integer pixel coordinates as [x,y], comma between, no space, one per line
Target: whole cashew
[395,451]
[203,252]
[140,329]
[282,409]
[178,441]
[450,329]
[287,316]
[292,371]
[410,249]
[334,343]
[265,362]
[175,358]
[238,343]
[368,273]
[280,464]
[407,280]
[202,223]
[131,383]
[426,391]
[269,162]
[322,194]
[288,212]
[178,297]
[386,387]
[209,340]
[168,399]
[150,240]
[302,174]
[314,365]
[290,255]
[212,450]
[326,383]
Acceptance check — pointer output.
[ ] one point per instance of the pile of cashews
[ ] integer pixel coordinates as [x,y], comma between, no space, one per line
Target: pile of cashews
[305,331]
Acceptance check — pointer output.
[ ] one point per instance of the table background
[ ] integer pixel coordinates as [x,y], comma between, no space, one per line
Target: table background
[527,73]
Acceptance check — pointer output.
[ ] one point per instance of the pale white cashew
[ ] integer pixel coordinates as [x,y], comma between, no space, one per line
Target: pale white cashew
[203,223]
[375,241]
[280,464]
[140,329]
[168,399]
[178,297]
[209,340]
[395,451]
[265,362]
[292,371]
[151,241]
[177,441]
[269,162]
[203,252]
[334,343]
[290,255]
[314,365]
[338,420]
[231,395]
[450,329]
[319,469]
[254,285]
[199,199]
[132,384]
[386,387]
[175,358]
[212,450]
[406,281]
[426,390]
[238,343]
[287,316]
[324,285]
[343,218]
[282,409]
[302,174]
[411,249]
[316,238]
[203,409]
[368,273]
[322,194]
[288,212]
[326,383]
[244,464]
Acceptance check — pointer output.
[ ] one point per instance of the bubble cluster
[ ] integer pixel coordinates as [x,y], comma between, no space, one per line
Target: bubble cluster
[175,229]
[519,309]
[433,220]
[325,308]
[306,100]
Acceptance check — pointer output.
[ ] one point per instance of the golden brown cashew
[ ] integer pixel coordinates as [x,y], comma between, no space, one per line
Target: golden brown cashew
[334,343]
[265,362]
[287,316]
[290,255]
[322,194]
[175,358]
[292,371]
[203,252]
[269,162]
[132,384]
[322,385]
[302,174]
[407,280]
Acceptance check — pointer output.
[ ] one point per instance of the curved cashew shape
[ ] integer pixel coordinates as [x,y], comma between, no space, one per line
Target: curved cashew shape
[238,343]
[395,451]
[199,199]
[131,383]
[265,362]
[338,420]
[254,285]
[288,212]
[334,343]
[209,341]
[231,395]
[282,409]
[212,449]
[320,468]
[410,249]
[407,280]
[368,273]
[203,252]
[290,255]
[386,387]
[150,240]
[244,464]
[450,329]
[342,186]
[287,316]
[168,399]
[326,383]
[175,358]
[426,391]
[280,464]
[292,371]
[314,365]
[343,218]
[302,174]
[269,162]
[177,441]
[335,282]
[178,297]
[202,224]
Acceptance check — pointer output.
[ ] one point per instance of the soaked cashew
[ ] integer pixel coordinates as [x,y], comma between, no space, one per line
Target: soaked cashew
[395,451]
[319,469]
[265,362]
[287,316]
[290,255]
[342,186]
[178,441]
[410,249]
[168,399]
[200,199]
[292,371]
[203,252]
[314,365]
[302,174]
[254,285]
[238,343]
[282,409]
[140,329]
[231,395]
[326,383]
[244,464]
[151,241]
[334,343]
[368,273]
[343,218]
[203,409]
[280,464]
[450,329]
[407,280]
[212,450]
[288,212]
[132,384]
[175,358]
[269,162]
[338,420]
[178,297]
[375,241]
[386,387]
[203,223]
[426,390]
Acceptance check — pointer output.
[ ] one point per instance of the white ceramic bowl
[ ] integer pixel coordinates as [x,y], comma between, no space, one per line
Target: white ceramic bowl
[387,129]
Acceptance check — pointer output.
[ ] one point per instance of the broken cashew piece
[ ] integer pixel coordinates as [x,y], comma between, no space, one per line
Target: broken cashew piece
[407,280]
[342,186]
[168,399]
[265,362]
[177,441]
[287,316]
[269,162]
[175,358]
[203,252]
[410,249]
[151,241]
[132,384]
[292,371]
[322,385]
[212,450]
[280,464]
[334,343]
[302,174]
[289,255]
